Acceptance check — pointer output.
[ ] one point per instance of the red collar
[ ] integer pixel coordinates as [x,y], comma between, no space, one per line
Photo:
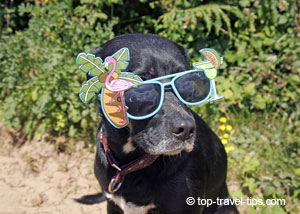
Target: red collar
[137,164]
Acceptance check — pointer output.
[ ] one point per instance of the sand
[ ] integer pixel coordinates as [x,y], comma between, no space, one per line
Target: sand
[36,178]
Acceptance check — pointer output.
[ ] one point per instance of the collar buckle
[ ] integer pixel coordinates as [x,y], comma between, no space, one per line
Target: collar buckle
[116,167]
[113,186]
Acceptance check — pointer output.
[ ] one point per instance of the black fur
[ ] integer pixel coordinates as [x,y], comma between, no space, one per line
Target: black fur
[171,178]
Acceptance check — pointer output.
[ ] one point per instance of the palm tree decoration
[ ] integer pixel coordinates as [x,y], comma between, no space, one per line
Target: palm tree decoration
[109,78]
[210,67]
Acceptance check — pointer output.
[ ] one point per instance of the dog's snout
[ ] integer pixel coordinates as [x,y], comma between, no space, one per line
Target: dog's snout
[183,129]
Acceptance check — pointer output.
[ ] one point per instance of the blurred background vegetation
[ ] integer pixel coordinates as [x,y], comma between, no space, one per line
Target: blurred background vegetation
[259,40]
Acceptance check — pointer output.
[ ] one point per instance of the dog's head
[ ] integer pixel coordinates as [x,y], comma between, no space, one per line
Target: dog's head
[173,128]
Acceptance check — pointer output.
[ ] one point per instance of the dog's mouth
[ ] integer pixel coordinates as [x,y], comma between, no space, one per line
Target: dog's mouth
[186,148]
[166,147]
[176,152]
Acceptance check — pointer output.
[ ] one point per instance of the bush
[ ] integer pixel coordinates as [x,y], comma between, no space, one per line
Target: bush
[38,83]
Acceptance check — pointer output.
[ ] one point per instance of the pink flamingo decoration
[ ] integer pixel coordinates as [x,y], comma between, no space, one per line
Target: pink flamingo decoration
[117,85]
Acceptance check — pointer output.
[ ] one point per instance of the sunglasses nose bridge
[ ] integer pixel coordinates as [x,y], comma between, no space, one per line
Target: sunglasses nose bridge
[167,86]
[167,83]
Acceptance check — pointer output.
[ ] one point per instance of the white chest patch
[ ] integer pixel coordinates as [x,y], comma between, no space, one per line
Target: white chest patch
[128,207]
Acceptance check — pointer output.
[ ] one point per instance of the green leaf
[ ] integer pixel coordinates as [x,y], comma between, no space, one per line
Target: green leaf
[218,23]
[227,22]
[135,79]
[208,22]
[35,94]
[297,171]
[295,78]
[250,183]
[121,55]
[122,58]
[269,190]
[228,94]
[84,123]
[90,89]
[121,66]
[72,131]
[130,75]
[260,102]
[250,89]
[90,64]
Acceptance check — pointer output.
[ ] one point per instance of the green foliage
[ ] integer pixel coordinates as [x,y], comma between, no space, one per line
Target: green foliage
[39,85]
[270,170]
[199,18]
[260,76]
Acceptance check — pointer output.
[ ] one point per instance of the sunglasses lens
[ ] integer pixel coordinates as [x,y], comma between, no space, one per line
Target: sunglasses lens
[193,87]
[142,100]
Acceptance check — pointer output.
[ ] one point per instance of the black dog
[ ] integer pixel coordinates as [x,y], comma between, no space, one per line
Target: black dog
[192,161]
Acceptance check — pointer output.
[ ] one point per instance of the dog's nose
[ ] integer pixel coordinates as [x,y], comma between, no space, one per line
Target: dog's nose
[183,129]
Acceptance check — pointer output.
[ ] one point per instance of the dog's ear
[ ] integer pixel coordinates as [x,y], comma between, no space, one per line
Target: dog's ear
[97,51]
[185,53]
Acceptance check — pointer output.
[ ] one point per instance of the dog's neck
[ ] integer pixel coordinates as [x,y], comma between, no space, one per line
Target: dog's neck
[117,139]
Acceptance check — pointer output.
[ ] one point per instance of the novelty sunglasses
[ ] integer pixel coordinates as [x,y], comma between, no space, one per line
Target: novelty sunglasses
[191,87]
[124,95]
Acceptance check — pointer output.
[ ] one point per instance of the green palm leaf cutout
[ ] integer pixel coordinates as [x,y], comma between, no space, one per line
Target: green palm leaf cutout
[90,89]
[122,59]
[121,55]
[135,79]
[90,64]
